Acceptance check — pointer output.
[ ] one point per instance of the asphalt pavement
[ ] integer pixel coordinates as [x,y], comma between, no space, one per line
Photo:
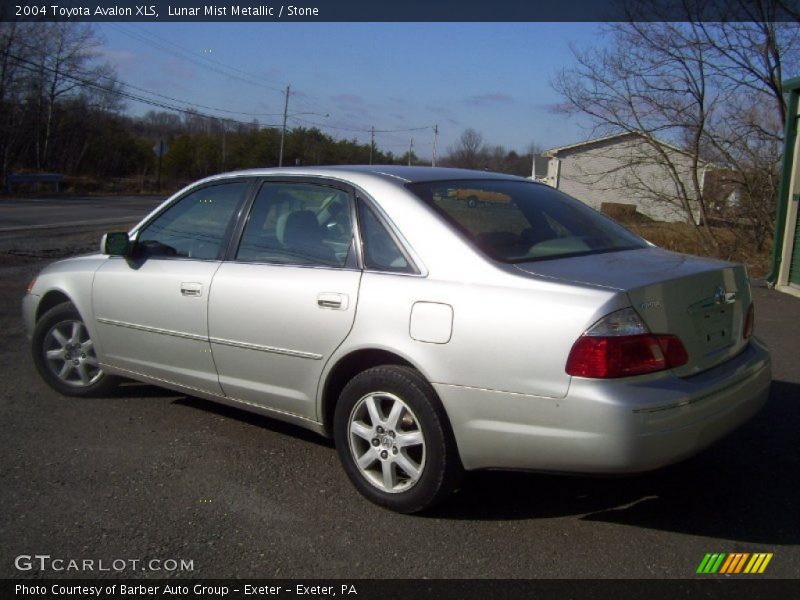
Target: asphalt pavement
[146,473]
[19,216]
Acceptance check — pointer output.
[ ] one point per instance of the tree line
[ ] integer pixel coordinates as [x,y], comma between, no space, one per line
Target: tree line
[713,89]
[63,109]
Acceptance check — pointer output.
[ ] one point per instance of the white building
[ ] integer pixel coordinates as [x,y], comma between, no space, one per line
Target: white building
[627,168]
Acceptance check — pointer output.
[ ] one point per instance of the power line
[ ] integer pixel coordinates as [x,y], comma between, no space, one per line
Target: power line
[142,35]
[84,82]
[227,70]
[255,79]
[33,66]
[214,108]
[159,95]
[191,110]
[366,130]
[185,54]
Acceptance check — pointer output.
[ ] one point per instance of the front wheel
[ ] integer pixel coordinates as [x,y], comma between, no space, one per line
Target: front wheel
[392,438]
[64,354]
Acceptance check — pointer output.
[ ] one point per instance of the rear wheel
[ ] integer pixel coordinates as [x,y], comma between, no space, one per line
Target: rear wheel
[393,440]
[64,354]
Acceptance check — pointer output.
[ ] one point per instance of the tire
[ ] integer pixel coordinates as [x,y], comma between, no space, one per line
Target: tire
[394,440]
[64,354]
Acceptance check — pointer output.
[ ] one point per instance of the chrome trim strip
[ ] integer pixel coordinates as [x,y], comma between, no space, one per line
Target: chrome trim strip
[270,349]
[273,411]
[202,338]
[179,334]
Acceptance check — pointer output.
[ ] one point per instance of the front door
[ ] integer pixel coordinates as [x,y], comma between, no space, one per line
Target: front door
[152,308]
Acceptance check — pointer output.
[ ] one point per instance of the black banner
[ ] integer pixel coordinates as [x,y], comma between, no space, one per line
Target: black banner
[435,589]
[407,10]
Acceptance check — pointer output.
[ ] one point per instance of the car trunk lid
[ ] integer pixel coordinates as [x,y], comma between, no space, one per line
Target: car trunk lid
[702,301]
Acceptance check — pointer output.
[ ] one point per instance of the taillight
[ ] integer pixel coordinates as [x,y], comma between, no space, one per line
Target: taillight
[621,345]
[30,285]
[747,330]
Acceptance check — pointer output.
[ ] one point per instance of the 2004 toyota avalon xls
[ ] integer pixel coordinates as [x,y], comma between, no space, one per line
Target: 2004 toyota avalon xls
[430,320]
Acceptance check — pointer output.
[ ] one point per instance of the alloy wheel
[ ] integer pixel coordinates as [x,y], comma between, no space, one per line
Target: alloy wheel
[69,354]
[386,442]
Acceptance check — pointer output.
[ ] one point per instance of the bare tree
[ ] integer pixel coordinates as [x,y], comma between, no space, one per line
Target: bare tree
[52,61]
[644,83]
[469,152]
[12,76]
[714,89]
[64,54]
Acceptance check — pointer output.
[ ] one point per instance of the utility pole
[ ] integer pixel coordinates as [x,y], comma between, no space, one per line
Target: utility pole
[283,129]
[410,151]
[371,143]
[224,127]
[435,143]
[160,149]
[160,156]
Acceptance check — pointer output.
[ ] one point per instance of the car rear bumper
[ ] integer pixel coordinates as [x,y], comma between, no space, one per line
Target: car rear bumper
[608,426]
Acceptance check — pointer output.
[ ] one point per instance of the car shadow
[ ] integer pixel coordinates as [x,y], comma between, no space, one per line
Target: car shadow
[136,390]
[255,419]
[743,488]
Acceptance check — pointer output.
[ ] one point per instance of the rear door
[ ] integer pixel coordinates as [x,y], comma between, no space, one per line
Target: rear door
[287,297]
[151,309]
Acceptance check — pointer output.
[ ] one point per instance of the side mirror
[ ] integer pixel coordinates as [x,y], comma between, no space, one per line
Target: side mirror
[115,243]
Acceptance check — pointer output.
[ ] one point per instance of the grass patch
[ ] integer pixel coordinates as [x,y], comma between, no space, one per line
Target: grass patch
[682,237]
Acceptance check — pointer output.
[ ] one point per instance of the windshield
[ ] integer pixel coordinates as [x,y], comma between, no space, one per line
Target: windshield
[519,221]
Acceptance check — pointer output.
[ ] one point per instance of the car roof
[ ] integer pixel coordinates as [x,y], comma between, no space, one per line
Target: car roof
[395,173]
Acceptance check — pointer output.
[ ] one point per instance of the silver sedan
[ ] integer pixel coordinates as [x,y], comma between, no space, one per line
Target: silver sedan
[430,320]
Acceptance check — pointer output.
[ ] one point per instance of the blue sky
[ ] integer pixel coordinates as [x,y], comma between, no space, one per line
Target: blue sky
[493,77]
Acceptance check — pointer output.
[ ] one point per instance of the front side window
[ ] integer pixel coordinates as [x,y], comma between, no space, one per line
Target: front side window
[518,221]
[194,226]
[298,224]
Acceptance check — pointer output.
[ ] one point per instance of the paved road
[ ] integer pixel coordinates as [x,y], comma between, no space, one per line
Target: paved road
[150,474]
[21,215]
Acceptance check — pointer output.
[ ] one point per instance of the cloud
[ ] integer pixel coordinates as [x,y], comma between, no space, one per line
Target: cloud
[552,107]
[491,99]
[348,99]
[439,110]
[178,68]
[117,57]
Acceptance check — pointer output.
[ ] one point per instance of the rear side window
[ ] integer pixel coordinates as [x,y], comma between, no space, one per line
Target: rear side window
[194,226]
[518,221]
[298,224]
[381,252]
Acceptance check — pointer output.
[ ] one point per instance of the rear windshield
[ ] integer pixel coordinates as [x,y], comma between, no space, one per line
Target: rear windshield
[518,221]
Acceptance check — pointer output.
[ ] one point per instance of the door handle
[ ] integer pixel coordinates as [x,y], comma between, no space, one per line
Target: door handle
[332,300]
[194,290]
